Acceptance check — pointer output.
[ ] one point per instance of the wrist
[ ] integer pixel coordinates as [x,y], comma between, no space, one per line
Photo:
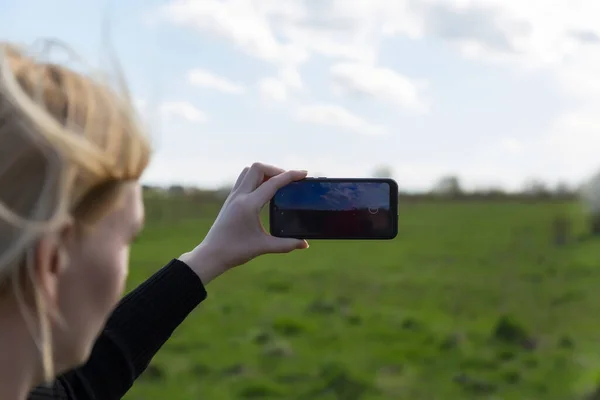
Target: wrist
[204,262]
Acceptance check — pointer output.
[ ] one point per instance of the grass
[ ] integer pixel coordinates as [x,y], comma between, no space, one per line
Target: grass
[471,301]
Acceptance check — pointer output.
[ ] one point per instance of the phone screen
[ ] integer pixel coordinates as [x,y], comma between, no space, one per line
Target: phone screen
[320,208]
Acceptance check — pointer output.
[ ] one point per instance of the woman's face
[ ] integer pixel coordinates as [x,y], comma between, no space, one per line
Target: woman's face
[94,279]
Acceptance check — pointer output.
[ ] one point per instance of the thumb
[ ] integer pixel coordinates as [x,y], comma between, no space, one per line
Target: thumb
[285,245]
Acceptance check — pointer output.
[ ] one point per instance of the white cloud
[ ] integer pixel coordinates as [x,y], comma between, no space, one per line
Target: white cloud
[280,87]
[287,33]
[202,78]
[182,109]
[334,115]
[243,22]
[273,89]
[562,41]
[579,77]
[575,143]
[511,145]
[564,38]
[291,78]
[379,82]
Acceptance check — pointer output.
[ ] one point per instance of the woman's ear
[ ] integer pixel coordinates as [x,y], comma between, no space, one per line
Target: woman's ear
[51,260]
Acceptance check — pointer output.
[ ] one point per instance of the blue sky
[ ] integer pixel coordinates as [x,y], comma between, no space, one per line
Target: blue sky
[334,196]
[493,91]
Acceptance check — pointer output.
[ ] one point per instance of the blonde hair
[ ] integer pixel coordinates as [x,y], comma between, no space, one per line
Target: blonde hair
[67,143]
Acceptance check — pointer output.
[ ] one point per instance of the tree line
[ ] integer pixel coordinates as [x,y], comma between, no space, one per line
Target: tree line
[447,187]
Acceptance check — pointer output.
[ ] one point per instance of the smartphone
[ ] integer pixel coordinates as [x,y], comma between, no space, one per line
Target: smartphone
[336,208]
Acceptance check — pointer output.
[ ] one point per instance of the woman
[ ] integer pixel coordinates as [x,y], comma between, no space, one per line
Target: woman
[71,154]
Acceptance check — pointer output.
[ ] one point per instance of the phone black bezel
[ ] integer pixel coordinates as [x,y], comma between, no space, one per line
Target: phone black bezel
[393,210]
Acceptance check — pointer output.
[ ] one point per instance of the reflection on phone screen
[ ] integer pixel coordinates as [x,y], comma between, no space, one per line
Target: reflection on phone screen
[334,209]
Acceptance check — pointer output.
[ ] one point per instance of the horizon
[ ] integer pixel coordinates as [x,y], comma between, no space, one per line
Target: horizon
[492,92]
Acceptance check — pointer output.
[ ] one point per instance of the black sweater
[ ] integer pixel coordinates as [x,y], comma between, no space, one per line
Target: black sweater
[136,330]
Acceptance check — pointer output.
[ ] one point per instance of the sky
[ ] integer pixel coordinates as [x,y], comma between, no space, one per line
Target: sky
[334,196]
[495,91]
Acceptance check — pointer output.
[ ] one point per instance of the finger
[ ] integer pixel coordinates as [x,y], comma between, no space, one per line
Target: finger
[240,178]
[267,190]
[285,245]
[255,176]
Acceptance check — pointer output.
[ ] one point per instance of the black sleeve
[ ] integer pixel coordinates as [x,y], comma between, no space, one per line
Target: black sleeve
[136,330]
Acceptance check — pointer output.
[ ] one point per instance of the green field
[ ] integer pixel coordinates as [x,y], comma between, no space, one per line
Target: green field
[471,301]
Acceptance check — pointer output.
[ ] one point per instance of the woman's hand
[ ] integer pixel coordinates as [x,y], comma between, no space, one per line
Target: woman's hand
[237,235]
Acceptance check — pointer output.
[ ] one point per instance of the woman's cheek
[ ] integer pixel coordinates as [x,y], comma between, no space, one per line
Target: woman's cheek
[122,269]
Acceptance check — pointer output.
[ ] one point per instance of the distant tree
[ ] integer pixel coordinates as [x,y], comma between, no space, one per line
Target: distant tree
[176,190]
[383,171]
[563,189]
[223,191]
[535,188]
[150,189]
[497,191]
[153,191]
[590,195]
[492,191]
[448,186]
